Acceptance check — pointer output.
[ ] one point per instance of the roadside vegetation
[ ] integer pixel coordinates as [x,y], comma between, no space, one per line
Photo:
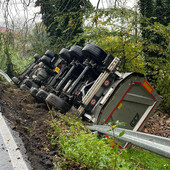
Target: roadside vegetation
[78,148]
[149,160]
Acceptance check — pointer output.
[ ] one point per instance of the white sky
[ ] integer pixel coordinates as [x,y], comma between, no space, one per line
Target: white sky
[109,3]
[16,9]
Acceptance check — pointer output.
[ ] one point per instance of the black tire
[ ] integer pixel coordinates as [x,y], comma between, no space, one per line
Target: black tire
[76,52]
[95,52]
[37,57]
[46,60]
[33,91]
[64,53]
[57,102]
[28,82]
[54,57]
[15,80]
[24,87]
[42,74]
[51,54]
[42,94]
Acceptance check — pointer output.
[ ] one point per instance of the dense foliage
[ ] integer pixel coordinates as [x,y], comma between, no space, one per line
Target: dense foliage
[155,32]
[5,56]
[11,59]
[63,19]
[113,30]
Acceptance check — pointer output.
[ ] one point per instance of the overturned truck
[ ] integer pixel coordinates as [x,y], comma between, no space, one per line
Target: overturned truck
[87,79]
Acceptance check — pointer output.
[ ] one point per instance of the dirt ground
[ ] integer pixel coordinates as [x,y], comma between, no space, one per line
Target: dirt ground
[29,118]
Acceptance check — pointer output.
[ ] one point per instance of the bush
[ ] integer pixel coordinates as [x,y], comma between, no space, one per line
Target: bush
[77,146]
[163,87]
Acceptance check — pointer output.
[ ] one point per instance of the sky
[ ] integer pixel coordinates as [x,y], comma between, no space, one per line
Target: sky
[16,10]
[108,3]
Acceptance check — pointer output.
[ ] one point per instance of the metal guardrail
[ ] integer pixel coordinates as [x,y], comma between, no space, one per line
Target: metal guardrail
[5,76]
[153,143]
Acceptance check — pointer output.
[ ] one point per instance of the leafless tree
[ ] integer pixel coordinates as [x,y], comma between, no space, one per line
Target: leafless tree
[16,17]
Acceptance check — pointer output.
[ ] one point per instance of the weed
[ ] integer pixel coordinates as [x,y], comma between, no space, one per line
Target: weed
[149,160]
[116,145]
[79,147]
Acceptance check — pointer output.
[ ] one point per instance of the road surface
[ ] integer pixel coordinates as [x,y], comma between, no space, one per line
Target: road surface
[11,157]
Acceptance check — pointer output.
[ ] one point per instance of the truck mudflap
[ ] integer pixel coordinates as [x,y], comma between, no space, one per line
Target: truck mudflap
[130,99]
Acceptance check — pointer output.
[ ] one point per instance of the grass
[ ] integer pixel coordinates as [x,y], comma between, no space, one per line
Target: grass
[149,160]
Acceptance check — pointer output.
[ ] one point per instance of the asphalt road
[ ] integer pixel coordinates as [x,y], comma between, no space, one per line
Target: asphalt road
[11,157]
[5,161]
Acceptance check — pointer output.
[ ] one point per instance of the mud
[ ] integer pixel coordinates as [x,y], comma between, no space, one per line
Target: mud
[29,118]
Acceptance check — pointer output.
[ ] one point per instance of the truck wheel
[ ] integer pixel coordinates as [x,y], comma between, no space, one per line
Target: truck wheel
[15,80]
[95,52]
[51,54]
[57,102]
[46,60]
[76,52]
[64,53]
[24,87]
[37,57]
[28,82]
[42,75]
[33,91]
[42,94]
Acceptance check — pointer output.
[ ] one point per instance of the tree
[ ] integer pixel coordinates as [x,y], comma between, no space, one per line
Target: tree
[63,19]
[39,40]
[114,30]
[155,31]
[152,12]
[14,40]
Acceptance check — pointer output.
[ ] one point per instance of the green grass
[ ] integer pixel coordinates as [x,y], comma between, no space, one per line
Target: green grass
[149,160]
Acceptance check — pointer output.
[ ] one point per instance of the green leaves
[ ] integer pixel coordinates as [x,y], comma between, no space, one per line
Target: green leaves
[77,146]
[121,134]
[149,160]
[63,19]
[57,129]
[89,150]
